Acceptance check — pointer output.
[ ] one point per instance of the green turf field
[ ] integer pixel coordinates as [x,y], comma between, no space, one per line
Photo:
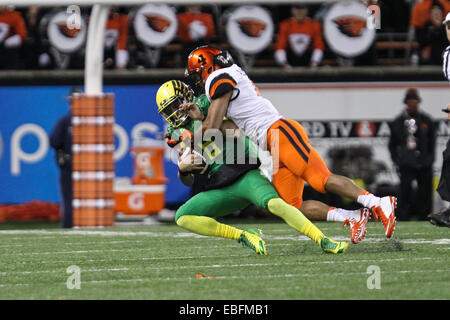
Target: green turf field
[161,262]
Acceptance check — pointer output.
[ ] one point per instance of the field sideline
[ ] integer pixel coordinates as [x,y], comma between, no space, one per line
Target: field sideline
[162,262]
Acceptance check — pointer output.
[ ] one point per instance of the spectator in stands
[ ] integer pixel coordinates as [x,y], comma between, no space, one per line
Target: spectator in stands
[299,40]
[36,47]
[116,36]
[12,34]
[421,11]
[442,218]
[195,28]
[412,147]
[420,14]
[61,142]
[31,46]
[44,54]
[431,37]
[395,15]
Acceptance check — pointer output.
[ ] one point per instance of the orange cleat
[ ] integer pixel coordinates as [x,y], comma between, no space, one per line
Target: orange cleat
[385,212]
[358,227]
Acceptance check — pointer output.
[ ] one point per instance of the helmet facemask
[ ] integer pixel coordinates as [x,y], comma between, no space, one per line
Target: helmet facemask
[169,108]
[171,112]
[195,81]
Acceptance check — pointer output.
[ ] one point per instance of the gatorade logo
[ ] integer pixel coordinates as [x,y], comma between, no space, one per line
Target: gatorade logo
[136,201]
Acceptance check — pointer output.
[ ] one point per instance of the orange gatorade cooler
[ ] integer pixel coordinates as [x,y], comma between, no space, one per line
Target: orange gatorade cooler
[145,192]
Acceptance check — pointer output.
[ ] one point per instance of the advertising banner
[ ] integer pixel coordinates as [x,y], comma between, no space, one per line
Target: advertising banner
[342,119]
[28,168]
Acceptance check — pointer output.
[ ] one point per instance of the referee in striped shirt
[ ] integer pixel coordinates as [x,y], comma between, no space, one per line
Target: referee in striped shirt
[442,218]
[446,55]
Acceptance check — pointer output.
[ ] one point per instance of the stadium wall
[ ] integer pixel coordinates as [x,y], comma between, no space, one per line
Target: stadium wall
[356,114]
[334,113]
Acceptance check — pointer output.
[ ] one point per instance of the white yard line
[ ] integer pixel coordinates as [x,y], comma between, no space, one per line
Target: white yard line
[224,266]
[297,238]
[87,233]
[192,235]
[245,277]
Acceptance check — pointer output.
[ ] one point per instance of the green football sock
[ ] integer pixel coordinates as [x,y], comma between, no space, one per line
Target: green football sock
[295,219]
[207,226]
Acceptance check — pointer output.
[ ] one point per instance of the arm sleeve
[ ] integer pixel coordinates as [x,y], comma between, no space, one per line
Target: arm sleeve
[221,85]
[182,32]
[318,39]
[123,33]
[19,27]
[433,136]
[392,145]
[282,37]
[415,20]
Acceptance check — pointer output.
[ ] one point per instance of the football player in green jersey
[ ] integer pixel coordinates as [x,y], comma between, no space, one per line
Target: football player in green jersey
[234,180]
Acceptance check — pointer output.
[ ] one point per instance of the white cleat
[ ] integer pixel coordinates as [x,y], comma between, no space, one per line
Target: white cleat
[385,211]
[358,228]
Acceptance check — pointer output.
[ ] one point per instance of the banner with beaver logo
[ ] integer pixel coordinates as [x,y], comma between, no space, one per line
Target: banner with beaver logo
[347,29]
[64,37]
[249,29]
[155,25]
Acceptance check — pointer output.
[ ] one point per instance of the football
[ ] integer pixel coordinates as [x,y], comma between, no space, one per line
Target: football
[198,159]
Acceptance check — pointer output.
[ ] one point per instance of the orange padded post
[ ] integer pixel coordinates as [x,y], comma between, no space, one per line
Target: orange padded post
[93,162]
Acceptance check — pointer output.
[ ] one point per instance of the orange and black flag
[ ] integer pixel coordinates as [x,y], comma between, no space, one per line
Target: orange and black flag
[221,85]
[15,21]
[119,22]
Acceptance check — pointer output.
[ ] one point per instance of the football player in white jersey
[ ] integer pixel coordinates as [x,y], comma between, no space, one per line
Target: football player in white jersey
[234,95]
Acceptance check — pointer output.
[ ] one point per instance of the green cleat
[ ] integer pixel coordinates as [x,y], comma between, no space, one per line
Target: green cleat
[331,246]
[252,238]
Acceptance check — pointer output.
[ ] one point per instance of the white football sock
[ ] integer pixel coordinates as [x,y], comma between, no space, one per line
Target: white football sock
[338,214]
[368,200]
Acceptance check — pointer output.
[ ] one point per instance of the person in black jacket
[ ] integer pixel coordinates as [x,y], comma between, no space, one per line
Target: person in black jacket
[412,147]
[442,218]
[61,142]
[431,37]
